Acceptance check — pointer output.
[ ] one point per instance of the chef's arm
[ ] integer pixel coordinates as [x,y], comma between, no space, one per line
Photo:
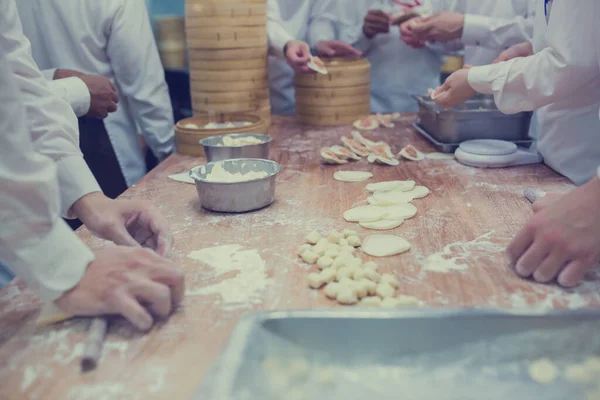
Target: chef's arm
[497,33]
[322,20]
[278,36]
[35,242]
[52,126]
[568,63]
[140,77]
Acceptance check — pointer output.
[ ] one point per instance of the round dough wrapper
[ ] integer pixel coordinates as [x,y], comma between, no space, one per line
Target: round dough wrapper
[382,225]
[365,213]
[419,192]
[395,197]
[543,371]
[402,186]
[440,156]
[400,211]
[352,176]
[384,245]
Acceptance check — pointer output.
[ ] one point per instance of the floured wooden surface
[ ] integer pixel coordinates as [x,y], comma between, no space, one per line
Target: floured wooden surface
[456,260]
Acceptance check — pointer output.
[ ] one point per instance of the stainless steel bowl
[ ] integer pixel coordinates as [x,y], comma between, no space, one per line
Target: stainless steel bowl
[236,197]
[214,152]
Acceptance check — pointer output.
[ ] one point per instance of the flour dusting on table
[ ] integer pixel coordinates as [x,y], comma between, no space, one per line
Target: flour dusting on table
[245,287]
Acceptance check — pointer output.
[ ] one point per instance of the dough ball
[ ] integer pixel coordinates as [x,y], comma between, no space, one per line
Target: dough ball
[344,242]
[321,246]
[315,281]
[310,257]
[407,301]
[347,282]
[371,264]
[349,232]
[372,275]
[345,272]
[354,241]
[328,275]
[370,302]
[324,262]
[385,290]
[543,371]
[371,287]
[390,280]
[346,295]
[354,262]
[361,289]
[332,289]
[304,248]
[359,274]
[347,250]
[332,253]
[340,262]
[334,237]
[313,237]
[390,302]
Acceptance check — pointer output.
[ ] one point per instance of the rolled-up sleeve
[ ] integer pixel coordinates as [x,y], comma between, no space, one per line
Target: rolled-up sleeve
[140,75]
[35,242]
[276,32]
[568,63]
[51,122]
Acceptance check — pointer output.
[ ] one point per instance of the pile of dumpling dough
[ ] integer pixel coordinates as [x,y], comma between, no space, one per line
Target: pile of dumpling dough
[345,276]
[389,205]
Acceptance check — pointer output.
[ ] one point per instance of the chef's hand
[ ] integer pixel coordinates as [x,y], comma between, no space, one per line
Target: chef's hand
[376,22]
[103,94]
[407,35]
[135,283]
[455,91]
[297,55]
[562,240]
[524,49]
[336,48]
[131,223]
[442,27]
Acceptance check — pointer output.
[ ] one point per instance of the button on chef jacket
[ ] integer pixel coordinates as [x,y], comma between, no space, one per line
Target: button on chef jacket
[397,71]
[563,78]
[112,38]
[42,171]
[492,26]
[297,17]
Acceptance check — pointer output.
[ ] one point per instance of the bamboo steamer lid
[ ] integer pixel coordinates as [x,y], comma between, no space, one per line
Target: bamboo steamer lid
[255,75]
[339,97]
[227,97]
[230,9]
[226,37]
[343,72]
[231,54]
[216,65]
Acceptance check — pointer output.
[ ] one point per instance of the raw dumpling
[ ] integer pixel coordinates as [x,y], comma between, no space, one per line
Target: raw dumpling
[411,153]
[344,153]
[329,157]
[352,176]
[384,245]
[355,146]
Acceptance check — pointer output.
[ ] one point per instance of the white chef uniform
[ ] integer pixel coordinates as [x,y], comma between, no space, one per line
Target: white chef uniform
[564,80]
[297,16]
[38,155]
[277,34]
[112,38]
[397,71]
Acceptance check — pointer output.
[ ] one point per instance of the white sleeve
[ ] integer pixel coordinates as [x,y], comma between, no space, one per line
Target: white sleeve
[49,73]
[569,62]
[52,125]
[322,21]
[75,92]
[497,33]
[35,242]
[277,34]
[140,75]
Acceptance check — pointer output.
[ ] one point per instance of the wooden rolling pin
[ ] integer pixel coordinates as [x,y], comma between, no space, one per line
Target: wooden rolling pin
[94,343]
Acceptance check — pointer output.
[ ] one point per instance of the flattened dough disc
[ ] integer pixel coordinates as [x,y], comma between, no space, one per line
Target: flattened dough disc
[419,192]
[365,214]
[401,186]
[382,225]
[384,245]
[400,211]
[352,176]
[394,197]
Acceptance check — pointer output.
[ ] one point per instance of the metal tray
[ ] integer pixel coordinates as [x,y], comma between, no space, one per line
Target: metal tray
[431,354]
[451,147]
[478,118]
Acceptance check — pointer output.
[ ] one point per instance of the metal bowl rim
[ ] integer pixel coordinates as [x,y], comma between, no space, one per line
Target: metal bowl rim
[271,175]
[268,139]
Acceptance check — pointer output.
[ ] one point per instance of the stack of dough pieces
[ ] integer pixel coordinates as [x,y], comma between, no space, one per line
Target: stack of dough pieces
[346,278]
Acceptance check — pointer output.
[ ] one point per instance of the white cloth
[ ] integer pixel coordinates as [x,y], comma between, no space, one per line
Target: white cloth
[51,122]
[397,71]
[297,16]
[112,38]
[35,242]
[563,78]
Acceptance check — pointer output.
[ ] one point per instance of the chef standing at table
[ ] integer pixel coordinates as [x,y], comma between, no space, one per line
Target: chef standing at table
[43,176]
[562,81]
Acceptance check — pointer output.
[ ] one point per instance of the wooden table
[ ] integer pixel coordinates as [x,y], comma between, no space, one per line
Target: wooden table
[461,229]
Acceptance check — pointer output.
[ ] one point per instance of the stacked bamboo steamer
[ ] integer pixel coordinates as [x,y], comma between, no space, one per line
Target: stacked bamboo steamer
[338,98]
[190,131]
[227,44]
[170,37]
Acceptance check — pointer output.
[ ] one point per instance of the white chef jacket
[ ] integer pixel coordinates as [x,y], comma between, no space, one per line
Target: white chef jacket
[297,16]
[112,38]
[277,34]
[51,122]
[34,241]
[397,71]
[563,78]
[492,26]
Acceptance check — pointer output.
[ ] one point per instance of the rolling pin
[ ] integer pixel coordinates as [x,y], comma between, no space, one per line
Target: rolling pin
[533,195]
[93,344]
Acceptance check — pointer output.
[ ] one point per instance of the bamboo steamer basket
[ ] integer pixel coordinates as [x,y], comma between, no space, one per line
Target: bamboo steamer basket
[332,118]
[338,97]
[208,86]
[238,106]
[254,75]
[187,139]
[263,112]
[226,37]
[215,98]
[224,9]
[343,72]
[225,65]
[232,54]
[194,21]
[170,29]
